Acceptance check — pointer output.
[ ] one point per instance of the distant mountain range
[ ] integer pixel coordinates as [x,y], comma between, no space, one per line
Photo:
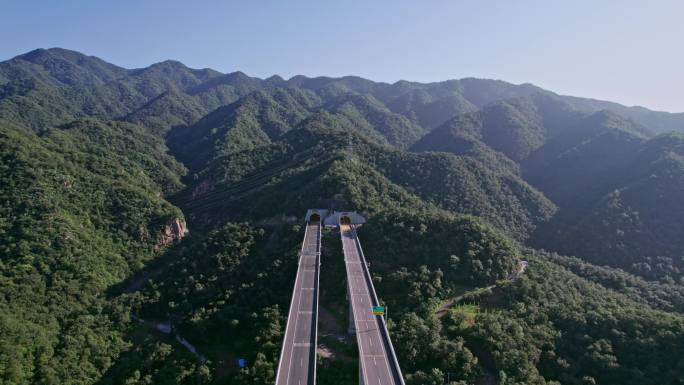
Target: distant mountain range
[88,86]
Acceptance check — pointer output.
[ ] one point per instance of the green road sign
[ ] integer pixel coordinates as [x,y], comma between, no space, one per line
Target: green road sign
[378,310]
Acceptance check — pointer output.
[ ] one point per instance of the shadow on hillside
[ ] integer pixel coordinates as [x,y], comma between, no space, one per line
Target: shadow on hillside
[153,268]
[152,354]
[239,312]
[292,195]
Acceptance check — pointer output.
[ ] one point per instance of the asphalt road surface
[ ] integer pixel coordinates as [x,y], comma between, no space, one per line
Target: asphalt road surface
[377,365]
[297,364]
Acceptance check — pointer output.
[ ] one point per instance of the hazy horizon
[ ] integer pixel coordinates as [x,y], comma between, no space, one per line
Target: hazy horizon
[623,54]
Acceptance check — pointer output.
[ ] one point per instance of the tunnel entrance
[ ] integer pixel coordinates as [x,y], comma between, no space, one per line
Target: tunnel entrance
[315,217]
[345,220]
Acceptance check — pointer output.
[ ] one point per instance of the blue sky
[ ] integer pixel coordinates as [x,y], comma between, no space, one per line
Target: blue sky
[626,51]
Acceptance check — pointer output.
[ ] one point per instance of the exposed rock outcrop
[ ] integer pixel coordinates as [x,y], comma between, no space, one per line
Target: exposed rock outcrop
[173,229]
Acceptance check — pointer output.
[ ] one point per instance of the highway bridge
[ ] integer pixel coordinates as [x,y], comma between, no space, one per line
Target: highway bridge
[378,363]
[297,365]
[377,360]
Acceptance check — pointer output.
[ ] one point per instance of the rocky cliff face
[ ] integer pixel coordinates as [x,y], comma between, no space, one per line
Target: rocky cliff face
[173,229]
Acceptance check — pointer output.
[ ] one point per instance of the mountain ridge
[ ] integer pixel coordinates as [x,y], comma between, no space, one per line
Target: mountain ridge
[470,88]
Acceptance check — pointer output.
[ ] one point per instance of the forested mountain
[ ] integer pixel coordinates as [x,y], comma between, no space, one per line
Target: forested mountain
[309,165]
[630,213]
[81,211]
[101,167]
[583,162]
[250,122]
[45,88]
[516,127]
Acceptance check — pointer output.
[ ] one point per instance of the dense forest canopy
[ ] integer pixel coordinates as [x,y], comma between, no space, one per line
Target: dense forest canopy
[102,168]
